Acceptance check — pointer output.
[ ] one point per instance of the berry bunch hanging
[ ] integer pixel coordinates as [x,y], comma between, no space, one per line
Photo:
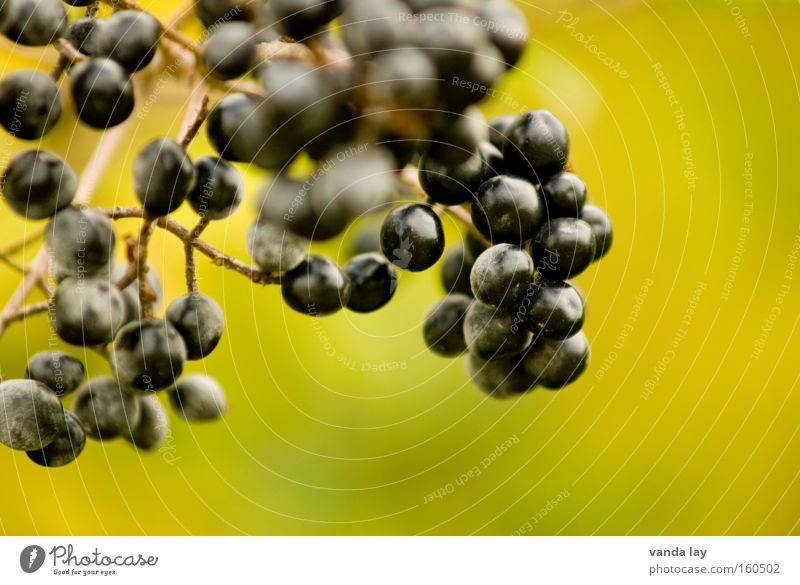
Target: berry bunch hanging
[354,107]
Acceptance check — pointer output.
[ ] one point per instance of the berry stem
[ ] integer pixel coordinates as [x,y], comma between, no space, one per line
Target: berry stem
[23,313]
[198,104]
[191,265]
[218,257]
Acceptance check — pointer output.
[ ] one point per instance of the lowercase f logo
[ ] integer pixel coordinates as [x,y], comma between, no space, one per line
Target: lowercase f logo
[31,558]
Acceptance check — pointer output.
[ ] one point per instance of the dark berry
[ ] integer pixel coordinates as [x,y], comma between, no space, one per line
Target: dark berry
[498,127]
[563,248]
[456,269]
[557,311]
[130,37]
[537,146]
[300,18]
[494,333]
[36,22]
[102,92]
[57,370]
[199,320]
[84,35]
[37,184]
[153,427]
[31,416]
[507,28]
[453,184]
[402,77]
[508,210]
[163,175]
[106,410]
[218,190]
[198,398]
[412,237]
[557,363]
[455,137]
[502,275]
[30,104]
[601,228]
[81,242]
[443,328]
[65,448]
[565,195]
[274,248]
[148,355]
[373,281]
[316,287]
[231,51]
[87,311]
[499,378]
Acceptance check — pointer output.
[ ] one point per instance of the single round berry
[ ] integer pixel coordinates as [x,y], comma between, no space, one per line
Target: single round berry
[57,370]
[81,242]
[30,104]
[65,448]
[493,333]
[300,18]
[404,77]
[507,28]
[153,426]
[601,228]
[87,311]
[235,127]
[102,92]
[36,22]
[231,51]
[443,328]
[198,398]
[37,184]
[84,35]
[373,28]
[455,137]
[412,237]
[148,355]
[163,175]
[105,410]
[199,320]
[130,37]
[219,188]
[499,378]
[509,210]
[502,275]
[557,311]
[477,79]
[564,248]
[565,195]
[316,287]
[557,363]
[214,12]
[456,269]
[537,146]
[498,127]
[31,416]
[450,36]
[453,184]
[274,248]
[373,281]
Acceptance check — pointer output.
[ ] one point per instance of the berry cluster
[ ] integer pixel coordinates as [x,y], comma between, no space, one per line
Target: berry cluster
[337,100]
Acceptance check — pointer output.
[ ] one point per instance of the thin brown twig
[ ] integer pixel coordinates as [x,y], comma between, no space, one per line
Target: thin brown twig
[24,312]
[199,106]
[191,265]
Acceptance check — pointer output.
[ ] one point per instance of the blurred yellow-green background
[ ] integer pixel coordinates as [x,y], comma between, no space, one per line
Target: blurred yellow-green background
[684,123]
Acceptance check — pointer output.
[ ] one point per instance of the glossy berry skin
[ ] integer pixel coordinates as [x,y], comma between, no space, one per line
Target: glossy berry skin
[84,35]
[499,378]
[502,275]
[36,22]
[105,410]
[557,363]
[153,427]
[563,248]
[493,157]
[102,92]
[498,126]
[81,241]
[493,333]
[537,146]
[148,355]
[214,12]
[87,311]
[274,248]
[130,37]
[36,184]
[234,127]
[556,312]
[602,229]
[373,281]
[163,175]
[31,416]
[455,137]
[198,398]
[57,370]
[412,237]
[565,195]
[443,328]
[65,448]
[316,287]
[456,269]
[300,18]
[453,184]
[199,320]
[218,190]
[508,210]
[231,51]
[30,104]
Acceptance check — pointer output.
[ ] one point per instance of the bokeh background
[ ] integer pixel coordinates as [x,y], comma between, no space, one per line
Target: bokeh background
[684,123]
